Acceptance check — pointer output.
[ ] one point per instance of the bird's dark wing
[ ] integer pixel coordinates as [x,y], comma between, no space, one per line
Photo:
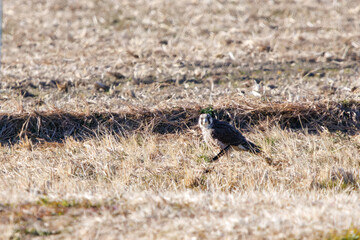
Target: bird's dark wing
[229,135]
[226,133]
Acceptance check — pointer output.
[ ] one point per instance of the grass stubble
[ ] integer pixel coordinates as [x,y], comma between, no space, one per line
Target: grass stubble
[126,160]
[159,186]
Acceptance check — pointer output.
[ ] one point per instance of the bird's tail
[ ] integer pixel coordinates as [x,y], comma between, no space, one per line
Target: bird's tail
[248,146]
[252,147]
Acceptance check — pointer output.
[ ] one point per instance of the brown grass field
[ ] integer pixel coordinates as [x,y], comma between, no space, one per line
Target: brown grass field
[99,103]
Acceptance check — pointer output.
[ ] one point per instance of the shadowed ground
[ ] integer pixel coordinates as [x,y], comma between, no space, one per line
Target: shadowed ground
[56,126]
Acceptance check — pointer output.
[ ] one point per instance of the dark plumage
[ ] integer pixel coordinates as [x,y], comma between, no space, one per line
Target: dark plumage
[229,135]
[221,134]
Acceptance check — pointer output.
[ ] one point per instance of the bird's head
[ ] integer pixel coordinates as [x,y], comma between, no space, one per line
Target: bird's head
[205,121]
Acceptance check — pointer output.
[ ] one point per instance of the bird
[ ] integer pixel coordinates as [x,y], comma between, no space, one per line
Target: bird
[221,134]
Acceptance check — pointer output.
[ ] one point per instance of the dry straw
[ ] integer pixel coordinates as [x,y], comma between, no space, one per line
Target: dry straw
[57,125]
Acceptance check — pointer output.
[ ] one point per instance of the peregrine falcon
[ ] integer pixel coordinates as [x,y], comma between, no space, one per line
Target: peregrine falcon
[221,134]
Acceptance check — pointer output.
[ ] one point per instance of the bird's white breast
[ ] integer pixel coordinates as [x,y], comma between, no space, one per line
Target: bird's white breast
[210,141]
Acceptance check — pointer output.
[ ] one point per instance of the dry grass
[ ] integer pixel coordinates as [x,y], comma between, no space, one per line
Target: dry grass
[189,215]
[57,125]
[315,180]
[98,108]
[213,49]
[175,162]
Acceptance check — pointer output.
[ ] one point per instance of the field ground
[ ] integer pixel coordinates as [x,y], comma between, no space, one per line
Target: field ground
[99,103]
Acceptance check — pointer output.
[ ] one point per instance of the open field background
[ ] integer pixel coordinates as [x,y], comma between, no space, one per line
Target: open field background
[99,103]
